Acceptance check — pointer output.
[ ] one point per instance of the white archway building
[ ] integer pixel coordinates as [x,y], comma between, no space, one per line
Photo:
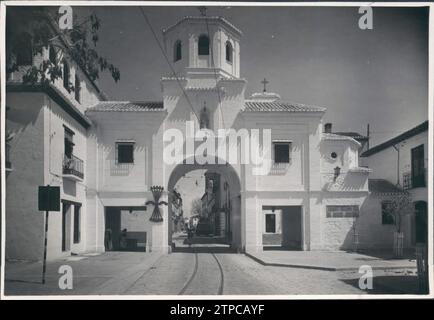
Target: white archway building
[301,185]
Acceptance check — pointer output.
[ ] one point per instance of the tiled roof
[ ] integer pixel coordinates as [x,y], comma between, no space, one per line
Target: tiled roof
[68,104]
[209,18]
[354,135]
[127,106]
[258,106]
[382,186]
[403,136]
[360,169]
[337,137]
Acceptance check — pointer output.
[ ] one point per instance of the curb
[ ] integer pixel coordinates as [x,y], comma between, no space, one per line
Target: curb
[123,282]
[312,267]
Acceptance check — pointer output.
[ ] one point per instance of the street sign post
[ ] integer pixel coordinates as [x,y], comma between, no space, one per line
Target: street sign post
[48,200]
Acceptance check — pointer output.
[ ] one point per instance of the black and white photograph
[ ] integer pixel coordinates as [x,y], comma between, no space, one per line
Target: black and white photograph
[216,150]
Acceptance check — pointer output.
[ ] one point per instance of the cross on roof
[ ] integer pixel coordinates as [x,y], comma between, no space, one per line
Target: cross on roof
[265,82]
[202,10]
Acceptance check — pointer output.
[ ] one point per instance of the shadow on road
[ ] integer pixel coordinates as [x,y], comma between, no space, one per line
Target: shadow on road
[404,284]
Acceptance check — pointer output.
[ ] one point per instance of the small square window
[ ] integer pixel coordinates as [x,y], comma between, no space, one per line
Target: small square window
[270,223]
[125,152]
[77,222]
[281,152]
[68,142]
[342,211]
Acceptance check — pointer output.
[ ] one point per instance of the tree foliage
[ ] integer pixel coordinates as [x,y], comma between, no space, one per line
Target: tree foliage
[78,44]
[399,206]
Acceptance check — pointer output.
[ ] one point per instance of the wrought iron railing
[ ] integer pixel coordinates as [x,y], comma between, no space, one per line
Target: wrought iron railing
[73,165]
[7,156]
[406,180]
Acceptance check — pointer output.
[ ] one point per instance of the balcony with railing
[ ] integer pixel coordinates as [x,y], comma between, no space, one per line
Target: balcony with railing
[410,181]
[8,163]
[73,168]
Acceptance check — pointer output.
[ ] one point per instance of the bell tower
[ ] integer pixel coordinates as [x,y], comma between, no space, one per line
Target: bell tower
[203,45]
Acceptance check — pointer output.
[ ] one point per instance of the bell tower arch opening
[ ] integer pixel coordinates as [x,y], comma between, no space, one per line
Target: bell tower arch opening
[211,45]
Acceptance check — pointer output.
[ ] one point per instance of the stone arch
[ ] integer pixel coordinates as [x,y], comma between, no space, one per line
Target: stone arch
[420,222]
[23,49]
[77,88]
[66,74]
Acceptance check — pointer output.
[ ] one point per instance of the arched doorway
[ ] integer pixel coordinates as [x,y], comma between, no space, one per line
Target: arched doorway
[225,213]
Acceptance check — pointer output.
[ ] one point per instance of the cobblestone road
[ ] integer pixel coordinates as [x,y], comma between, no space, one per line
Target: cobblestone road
[203,269]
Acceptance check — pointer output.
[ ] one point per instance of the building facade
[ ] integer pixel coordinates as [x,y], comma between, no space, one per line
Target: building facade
[399,164]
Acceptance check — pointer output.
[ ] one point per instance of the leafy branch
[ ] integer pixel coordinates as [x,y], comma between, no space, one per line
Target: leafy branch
[398,207]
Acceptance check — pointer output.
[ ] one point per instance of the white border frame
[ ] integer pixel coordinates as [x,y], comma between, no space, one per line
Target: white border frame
[3,6]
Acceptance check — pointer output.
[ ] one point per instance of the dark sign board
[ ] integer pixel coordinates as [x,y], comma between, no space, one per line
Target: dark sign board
[48,198]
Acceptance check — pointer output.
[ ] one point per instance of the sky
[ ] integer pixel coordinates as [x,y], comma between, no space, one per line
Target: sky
[310,55]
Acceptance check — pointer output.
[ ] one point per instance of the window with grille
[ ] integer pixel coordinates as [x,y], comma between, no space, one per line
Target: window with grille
[77,221]
[270,223]
[282,152]
[229,52]
[69,142]
[125,152]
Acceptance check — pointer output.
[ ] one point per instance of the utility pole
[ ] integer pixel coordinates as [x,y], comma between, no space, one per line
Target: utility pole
[367,134]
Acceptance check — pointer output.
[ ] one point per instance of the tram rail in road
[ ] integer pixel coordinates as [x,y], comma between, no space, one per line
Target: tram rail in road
[193,275]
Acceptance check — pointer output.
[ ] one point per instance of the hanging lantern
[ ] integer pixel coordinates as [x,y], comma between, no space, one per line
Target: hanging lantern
[337,173]
[157,191]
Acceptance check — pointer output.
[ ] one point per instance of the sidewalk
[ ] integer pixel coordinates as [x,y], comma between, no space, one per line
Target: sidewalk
[109,273]
[332,261]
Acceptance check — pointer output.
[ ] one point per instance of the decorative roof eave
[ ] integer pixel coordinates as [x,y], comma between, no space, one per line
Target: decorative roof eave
[57,97]
[217,18]
[127,106]
[360,170]
[403,136]
[336,137]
